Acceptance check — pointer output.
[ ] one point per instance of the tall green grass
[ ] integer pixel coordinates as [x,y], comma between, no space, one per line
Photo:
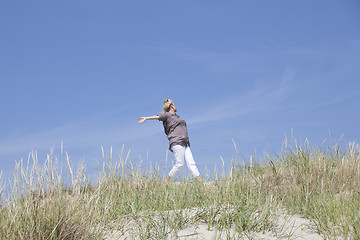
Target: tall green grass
[320,183]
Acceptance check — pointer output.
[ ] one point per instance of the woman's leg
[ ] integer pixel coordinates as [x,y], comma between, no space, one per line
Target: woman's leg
[189,159]
[179,152]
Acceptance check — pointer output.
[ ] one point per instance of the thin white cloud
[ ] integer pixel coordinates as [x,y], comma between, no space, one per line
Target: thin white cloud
[213,61]
[246,60]
[84,135]
[263,98]
[333,101]
[89,131]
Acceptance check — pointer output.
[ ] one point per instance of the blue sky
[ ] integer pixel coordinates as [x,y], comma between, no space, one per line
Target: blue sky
[82,72]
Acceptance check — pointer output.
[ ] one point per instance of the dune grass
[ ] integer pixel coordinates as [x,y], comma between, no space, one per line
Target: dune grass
[321,184]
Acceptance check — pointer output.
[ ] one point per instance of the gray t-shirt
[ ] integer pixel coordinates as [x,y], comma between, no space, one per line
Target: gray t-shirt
[175,129]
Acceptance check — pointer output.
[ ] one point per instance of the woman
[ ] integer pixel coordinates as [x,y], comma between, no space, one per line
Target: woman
[176,131]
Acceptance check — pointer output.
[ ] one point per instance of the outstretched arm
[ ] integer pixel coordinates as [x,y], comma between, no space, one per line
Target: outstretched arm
[143,119]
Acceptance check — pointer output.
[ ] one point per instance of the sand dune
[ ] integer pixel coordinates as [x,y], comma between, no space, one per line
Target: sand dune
[287,227]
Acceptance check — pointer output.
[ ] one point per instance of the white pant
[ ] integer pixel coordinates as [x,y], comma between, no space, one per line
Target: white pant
[183,154]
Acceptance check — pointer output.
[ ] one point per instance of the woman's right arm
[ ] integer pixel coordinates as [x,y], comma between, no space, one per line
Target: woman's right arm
[143,119]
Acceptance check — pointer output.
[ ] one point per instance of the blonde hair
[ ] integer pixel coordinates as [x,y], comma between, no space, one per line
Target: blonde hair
[167,104]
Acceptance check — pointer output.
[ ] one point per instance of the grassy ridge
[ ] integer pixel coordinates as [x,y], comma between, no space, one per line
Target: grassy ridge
[321,184]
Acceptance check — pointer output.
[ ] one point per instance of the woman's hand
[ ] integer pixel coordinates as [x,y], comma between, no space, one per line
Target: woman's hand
[143,119]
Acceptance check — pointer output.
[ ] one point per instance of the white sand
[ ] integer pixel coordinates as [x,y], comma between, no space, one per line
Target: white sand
[294,227]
